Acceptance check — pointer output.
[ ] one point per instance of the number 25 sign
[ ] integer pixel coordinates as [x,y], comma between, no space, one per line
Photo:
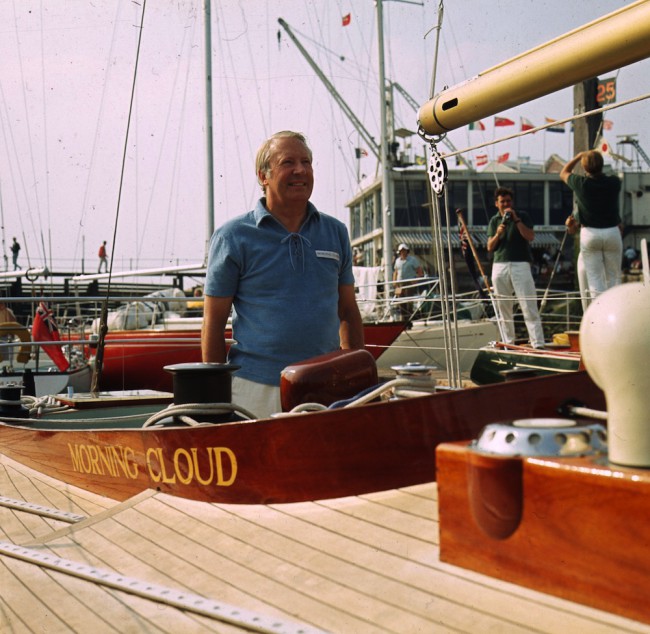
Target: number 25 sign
[606,91]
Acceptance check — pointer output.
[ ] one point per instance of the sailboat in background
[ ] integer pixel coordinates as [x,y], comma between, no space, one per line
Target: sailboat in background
[20,362]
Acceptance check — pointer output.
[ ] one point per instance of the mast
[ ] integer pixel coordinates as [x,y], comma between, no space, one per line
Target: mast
[207,27]
[386,183]
[585,131]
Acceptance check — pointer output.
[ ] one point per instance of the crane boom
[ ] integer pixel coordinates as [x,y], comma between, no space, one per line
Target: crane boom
[632,141]
[367,137]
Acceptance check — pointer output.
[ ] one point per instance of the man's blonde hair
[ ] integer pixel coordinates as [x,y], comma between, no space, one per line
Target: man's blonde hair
[263,158]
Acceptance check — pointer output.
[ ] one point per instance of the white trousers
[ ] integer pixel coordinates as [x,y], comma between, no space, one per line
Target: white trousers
[583,284]
[258,398]
[515,278]
[602,256]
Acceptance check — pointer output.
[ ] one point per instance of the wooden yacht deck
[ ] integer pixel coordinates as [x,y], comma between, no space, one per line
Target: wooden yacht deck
[360,564]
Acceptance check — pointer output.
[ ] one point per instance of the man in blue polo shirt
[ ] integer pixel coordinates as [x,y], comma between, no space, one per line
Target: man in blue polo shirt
[286,270]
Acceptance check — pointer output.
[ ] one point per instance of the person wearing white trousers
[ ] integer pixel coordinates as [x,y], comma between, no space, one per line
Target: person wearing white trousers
[602,252]
[515,278]
[510,233]
[597,198]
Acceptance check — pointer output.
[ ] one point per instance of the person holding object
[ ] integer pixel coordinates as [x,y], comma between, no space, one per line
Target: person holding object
[597,198]
[406,269]
[286,270]
[510,233]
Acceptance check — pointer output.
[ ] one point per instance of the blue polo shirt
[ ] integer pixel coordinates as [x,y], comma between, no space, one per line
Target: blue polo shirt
[285,288]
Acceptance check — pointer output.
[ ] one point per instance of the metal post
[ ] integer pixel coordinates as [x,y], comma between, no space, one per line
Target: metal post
[207,27]
[386,189]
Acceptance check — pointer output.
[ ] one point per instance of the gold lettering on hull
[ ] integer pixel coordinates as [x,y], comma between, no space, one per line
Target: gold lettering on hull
[207,466]
[185,466]
[116,462]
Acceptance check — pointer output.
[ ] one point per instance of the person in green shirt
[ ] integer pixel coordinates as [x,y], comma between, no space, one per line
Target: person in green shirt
[510,233]
[597,197]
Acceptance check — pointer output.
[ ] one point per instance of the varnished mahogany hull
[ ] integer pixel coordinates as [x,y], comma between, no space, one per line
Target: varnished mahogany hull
[130,366]
[577,528]
[321,455]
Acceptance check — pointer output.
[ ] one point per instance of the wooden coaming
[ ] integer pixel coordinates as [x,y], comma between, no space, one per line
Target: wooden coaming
[582,535]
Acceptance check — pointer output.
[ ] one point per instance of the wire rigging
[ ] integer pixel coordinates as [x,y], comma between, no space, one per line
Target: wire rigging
[230,113]
[30,146]
[96,138]
[555,122]
[166,133]
[103,327]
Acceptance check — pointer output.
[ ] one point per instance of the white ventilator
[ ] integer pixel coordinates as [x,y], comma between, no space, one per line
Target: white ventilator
[615,346]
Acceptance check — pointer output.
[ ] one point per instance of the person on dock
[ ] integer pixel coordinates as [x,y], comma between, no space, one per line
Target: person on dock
[103,258]
[405,270]
[286,270]
[195,306]
[510,233]
[597,214]
[6,314]
[15,250]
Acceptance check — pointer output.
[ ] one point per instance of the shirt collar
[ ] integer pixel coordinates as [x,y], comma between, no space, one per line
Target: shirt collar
[260,212]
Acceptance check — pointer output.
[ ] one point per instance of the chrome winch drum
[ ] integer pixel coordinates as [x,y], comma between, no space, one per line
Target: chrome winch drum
[543,437]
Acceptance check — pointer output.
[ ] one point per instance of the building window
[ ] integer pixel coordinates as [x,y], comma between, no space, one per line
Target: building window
[368,214]
[529,197]
[457,193]
[411,201]
[379,216]
[560,203]
[483,202]
[355,221]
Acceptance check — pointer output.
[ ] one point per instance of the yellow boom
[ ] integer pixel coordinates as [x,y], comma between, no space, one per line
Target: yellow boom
[610,42]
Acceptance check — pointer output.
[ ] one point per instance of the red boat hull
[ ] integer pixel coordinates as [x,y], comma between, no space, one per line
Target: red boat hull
[139,365]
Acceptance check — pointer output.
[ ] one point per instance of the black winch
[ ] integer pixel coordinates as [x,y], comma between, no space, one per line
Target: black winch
[203,383]
[10,404]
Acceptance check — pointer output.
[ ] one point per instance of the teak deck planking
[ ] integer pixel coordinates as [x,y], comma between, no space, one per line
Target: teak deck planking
[357,564]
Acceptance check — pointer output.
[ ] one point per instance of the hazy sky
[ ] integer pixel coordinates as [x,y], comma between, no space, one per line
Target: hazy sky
[65,94]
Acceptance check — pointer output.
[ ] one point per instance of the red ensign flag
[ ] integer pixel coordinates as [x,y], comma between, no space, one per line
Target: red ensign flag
[44,328]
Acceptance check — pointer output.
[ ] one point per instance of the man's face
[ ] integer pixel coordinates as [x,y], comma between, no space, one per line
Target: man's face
[503,203]
[291,177]
[403,253]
